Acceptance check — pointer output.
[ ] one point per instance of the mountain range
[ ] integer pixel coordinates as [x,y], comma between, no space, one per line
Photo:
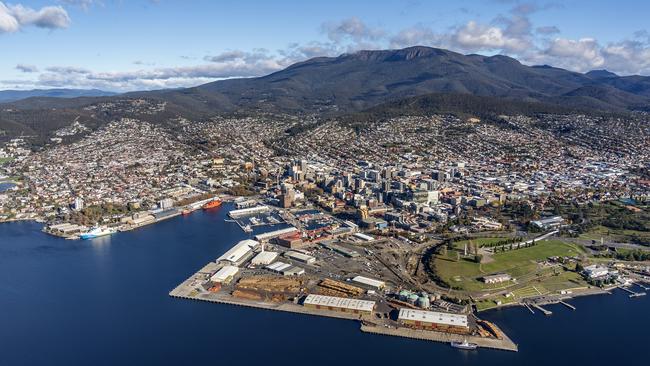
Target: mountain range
[357,81]
[15,95]
[368,80]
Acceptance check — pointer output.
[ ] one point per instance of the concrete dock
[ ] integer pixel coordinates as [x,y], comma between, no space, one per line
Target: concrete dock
[505,344]
[568,305]
[544,311]
[186,290]
[632,293]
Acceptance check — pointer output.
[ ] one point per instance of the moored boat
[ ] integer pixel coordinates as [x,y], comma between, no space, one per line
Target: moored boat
[464,345]
[96,232]
[212,204]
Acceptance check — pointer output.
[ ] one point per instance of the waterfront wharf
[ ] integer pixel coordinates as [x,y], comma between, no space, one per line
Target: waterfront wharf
[568,305]
[188,290]
[544,311]
[529,308]
[505,344]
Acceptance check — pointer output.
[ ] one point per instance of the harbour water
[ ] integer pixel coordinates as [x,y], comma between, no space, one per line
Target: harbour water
[104,302]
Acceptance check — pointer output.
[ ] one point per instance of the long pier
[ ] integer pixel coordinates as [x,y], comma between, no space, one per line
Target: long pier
[544,311]
[642,286]
[529,308]
[632,293]
[568,305]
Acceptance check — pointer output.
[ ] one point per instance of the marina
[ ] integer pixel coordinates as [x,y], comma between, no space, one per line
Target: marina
[568,305]
[544,311]
[253,216]
[632,293]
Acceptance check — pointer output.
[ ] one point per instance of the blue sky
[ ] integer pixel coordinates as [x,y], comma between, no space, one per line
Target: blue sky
[145,44]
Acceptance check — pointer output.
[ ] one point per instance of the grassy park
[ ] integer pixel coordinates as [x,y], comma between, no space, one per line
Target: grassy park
[554,283]
[616,235]
[464,273]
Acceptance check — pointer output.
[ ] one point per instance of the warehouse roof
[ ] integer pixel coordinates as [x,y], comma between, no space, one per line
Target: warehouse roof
[285,269]
[364,237]
[433,317]
[239,251]
[299,256]
[276,233]
[369,281]
[340,302]
[224,274]
[264,258]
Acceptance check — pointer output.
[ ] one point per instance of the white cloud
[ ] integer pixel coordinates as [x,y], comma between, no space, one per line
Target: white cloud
[582,54]
[68,70]
[15,17]
[84,4]
[8,22]
[26,68]
[351,28]
[477,37]
[418,35]
[549,29]
[628,57]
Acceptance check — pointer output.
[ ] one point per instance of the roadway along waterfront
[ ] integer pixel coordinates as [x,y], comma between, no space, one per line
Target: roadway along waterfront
[105,302]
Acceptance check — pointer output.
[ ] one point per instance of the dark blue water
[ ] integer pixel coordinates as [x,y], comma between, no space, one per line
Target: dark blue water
[105,302]
[5,186]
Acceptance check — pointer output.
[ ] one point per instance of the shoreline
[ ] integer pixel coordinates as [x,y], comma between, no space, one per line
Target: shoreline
[119,228]
[560,297]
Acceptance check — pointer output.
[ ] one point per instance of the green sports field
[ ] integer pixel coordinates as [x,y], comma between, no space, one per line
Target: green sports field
[465,274]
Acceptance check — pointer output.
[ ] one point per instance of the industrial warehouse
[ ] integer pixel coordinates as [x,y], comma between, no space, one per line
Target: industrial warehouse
[339,304]
[239,253]
[342,277]
[434,320]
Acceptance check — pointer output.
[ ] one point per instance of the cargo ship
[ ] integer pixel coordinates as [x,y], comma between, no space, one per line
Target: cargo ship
[212,204]
[97,231]
[464,345]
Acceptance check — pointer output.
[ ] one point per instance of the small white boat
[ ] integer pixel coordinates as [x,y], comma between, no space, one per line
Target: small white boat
[464,345]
